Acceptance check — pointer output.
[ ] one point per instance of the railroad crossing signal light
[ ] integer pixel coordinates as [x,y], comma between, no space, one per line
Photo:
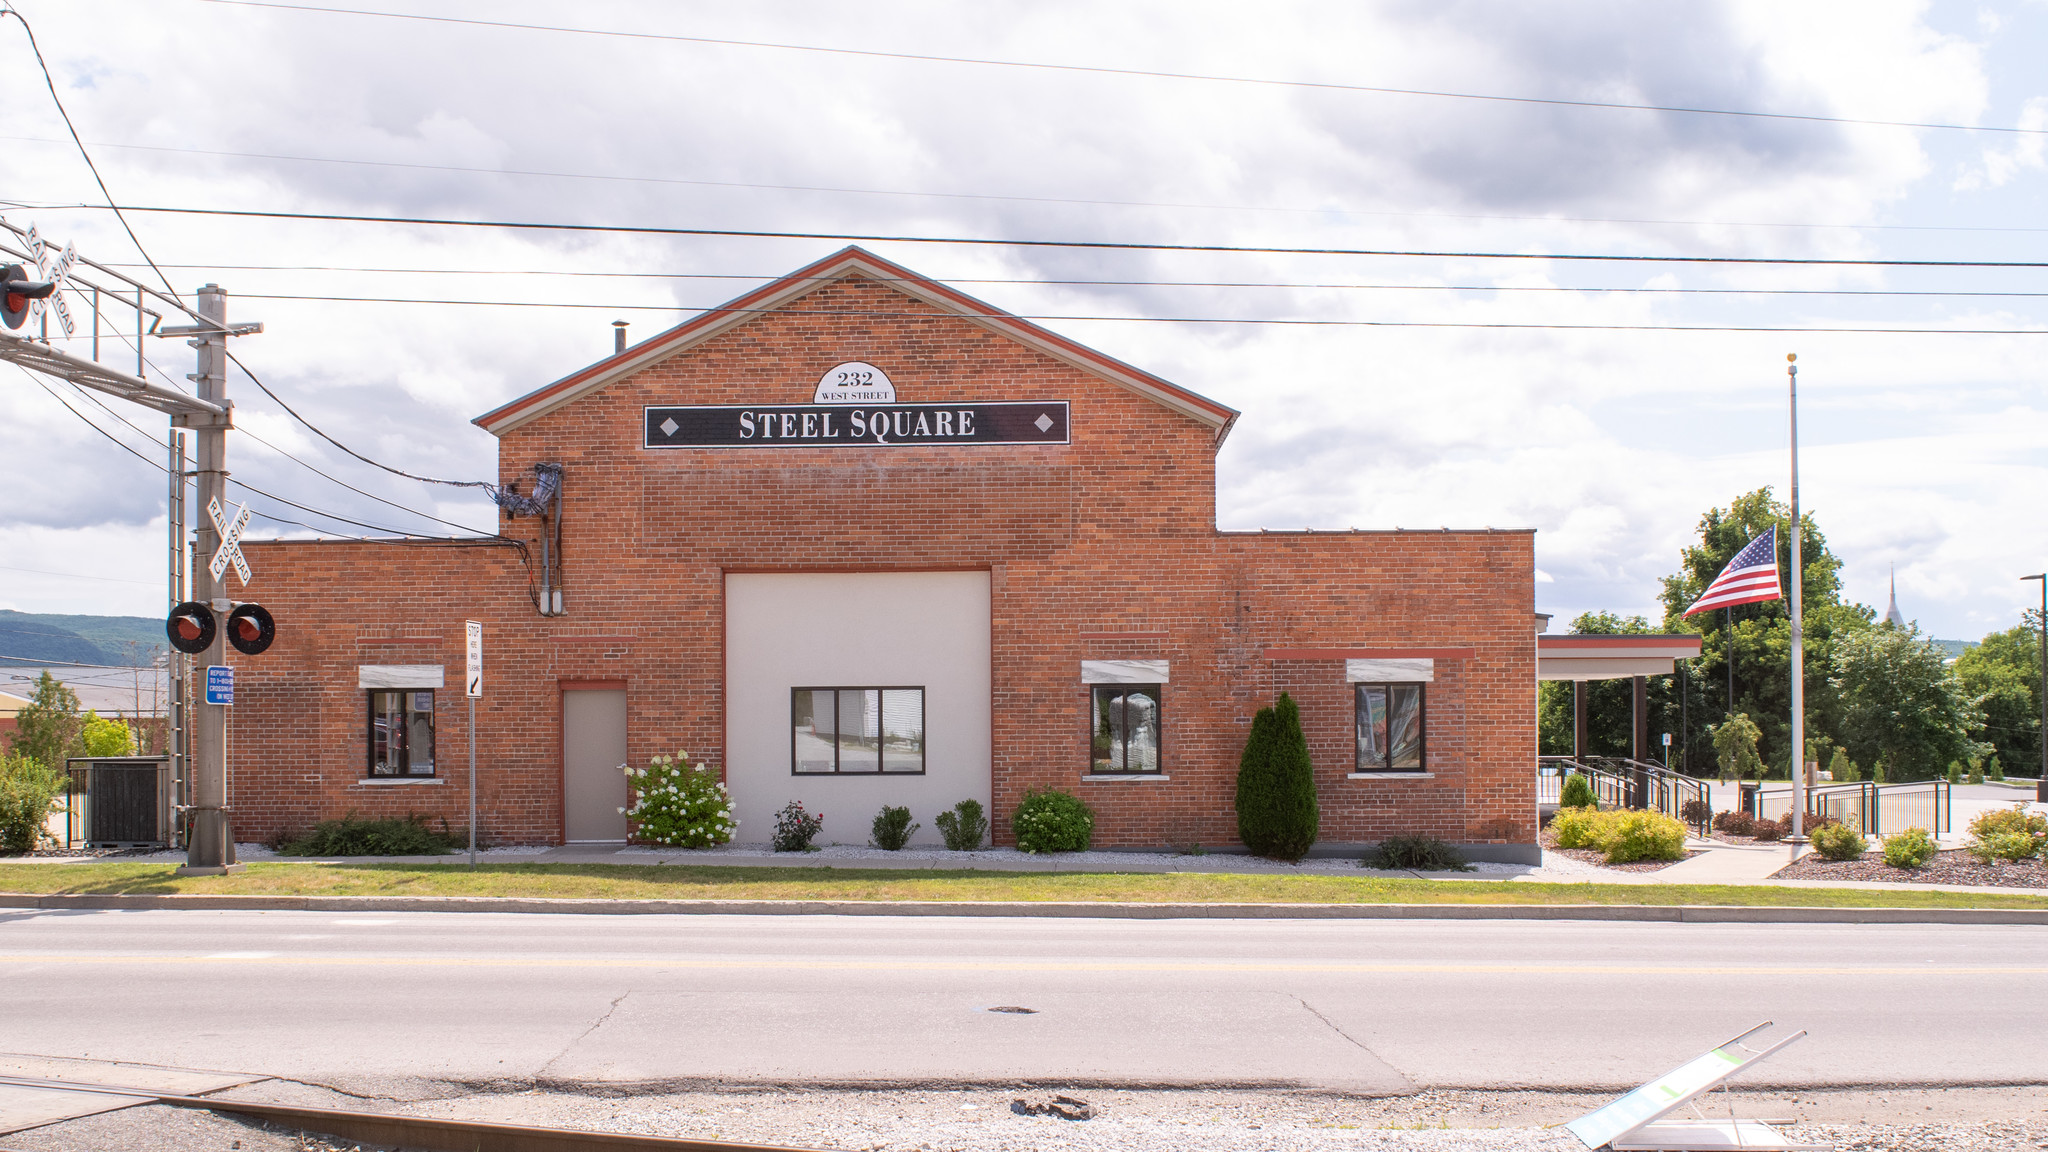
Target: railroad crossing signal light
[250,629]
[191,627]
[20,290]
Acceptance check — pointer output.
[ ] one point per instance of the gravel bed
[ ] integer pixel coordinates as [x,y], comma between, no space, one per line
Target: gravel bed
[1950,867]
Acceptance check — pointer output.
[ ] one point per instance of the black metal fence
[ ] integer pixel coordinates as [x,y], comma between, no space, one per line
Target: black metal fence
[1871,808]
[1622,783]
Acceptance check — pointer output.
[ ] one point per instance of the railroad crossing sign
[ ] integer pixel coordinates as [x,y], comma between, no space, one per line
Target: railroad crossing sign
[230,551]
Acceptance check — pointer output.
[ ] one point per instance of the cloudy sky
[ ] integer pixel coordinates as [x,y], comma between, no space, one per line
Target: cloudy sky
[1427,391]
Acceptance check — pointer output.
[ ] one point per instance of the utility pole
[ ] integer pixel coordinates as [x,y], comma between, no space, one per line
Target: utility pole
[209,840]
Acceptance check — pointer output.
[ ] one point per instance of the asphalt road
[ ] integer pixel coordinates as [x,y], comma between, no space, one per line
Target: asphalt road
[371,1002]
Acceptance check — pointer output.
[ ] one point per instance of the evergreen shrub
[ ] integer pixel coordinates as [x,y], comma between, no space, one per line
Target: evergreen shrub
[1577,792]
[1842,769]
[679,805]
[795,828]
[1277,815]
[892,828]
[356,835]
[1912,848]
[965,827]
[1623,836]
[1417,854]
[1839,842]
[1049,820]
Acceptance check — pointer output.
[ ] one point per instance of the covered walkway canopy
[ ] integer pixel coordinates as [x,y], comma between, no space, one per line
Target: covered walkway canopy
[1581,658]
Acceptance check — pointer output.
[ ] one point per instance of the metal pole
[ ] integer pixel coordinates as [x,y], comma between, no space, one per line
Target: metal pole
[472,782]
[1798,637]
[1728,630]
[210,842]
[177,709]
[2041,785]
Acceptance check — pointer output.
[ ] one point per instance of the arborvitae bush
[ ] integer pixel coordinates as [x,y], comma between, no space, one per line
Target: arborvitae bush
[892,828]
[965,827]
[1277,814]
[1843,769]
[1577,792]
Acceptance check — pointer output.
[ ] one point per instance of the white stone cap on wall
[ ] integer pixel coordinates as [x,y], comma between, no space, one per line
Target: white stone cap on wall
[1123,672]
[1400,670]
[400,676]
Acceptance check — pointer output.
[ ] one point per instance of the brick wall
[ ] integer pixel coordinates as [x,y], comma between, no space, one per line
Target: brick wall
[1104,548]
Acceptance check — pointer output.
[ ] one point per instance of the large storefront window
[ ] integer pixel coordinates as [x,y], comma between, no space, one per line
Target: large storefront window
[1390,728]
[402,732]
[856,730]
[1126,728]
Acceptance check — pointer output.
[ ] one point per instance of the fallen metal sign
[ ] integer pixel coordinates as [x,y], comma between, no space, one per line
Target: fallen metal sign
[1636,1122]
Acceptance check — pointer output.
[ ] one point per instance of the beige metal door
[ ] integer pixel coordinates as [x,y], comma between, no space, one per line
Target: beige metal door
[593,747]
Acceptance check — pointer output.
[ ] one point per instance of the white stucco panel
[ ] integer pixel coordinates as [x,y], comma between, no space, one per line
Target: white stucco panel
[400,676]
[1123,672]
[1402,671]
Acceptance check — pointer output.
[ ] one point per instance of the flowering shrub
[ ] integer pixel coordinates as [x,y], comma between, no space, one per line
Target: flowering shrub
[794,828]
[1049,820]
[679,805]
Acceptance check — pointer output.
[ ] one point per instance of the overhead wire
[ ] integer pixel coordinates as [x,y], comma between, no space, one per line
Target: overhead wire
[8,9]
[1093,245]
[318,431]
[1319,210]
[1137,72]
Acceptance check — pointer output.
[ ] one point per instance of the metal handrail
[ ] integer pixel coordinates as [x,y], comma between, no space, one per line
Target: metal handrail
[1619,782]
[1862,804]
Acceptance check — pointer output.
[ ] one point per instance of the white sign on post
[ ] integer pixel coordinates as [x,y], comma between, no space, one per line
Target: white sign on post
[230,551]
[475,650]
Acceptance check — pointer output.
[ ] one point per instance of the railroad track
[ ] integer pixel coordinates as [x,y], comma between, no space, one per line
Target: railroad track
[412,1131]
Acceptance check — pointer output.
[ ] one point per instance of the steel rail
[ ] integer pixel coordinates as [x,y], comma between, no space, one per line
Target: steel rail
[424,1132]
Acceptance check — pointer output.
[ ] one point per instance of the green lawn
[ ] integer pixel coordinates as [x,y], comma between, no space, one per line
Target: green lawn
[671,882]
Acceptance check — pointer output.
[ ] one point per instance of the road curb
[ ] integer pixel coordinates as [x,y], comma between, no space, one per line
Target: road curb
[1658,913]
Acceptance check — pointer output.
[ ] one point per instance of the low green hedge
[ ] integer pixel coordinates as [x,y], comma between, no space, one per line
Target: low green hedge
[1624,836]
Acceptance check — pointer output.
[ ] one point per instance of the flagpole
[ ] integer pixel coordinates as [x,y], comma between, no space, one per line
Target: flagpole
[1798,625]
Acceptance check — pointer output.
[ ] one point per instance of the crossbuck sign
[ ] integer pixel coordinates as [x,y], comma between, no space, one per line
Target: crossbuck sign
[230,551]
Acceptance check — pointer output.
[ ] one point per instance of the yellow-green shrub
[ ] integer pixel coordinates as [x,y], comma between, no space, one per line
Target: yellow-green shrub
[1623,836]
[1912,848]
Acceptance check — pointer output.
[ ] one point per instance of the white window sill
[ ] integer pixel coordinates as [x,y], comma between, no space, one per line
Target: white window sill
[1122,777]
[1390,776]
[392,781]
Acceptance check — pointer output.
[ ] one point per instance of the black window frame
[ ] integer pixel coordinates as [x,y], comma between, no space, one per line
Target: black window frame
[1386,764]
[1158,695]
[924,741]
[372,715]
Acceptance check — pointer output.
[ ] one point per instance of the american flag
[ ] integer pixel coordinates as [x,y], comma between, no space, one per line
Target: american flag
[1749,578]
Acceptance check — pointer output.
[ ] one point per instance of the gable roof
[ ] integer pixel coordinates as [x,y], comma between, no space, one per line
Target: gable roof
[852,261]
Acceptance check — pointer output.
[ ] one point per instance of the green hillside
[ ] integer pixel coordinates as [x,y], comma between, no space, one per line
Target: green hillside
[36,637]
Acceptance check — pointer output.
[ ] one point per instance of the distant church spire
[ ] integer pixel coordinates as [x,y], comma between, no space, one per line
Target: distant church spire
[1892,615]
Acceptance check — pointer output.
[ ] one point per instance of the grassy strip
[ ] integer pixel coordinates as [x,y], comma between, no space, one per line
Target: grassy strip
[681,882]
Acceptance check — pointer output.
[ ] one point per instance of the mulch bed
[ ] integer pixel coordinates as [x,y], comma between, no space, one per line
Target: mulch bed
[1951,867]
[1549,841]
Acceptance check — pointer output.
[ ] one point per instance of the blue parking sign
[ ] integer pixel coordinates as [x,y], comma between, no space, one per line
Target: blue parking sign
[220,684]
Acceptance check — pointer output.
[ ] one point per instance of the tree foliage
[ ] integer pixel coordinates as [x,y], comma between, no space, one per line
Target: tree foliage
[1899,703]
[49,728]
[1277,814]
[1735,741]
[1761,633]
[2002,678]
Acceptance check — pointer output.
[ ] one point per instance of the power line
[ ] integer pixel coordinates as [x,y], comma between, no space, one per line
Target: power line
[317,431]
[1301,286]
[998,197]
[1139,72]
[1051,318]
[9,10]
[345,484]
[1102,245]
[79,575]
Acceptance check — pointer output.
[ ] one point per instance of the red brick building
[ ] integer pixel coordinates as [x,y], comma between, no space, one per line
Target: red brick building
[859,539]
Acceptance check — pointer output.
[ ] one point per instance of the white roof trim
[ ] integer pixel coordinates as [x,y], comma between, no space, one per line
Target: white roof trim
[849,264]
